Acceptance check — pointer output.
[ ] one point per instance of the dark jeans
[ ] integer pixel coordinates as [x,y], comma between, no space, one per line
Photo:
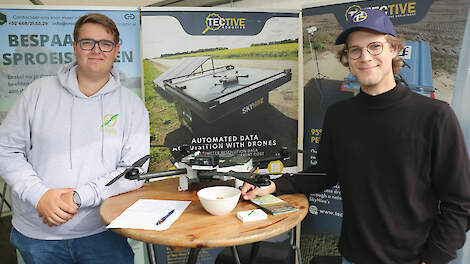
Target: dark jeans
[102,248]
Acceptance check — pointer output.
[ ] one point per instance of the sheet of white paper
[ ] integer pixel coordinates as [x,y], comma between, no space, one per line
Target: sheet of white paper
[145,213]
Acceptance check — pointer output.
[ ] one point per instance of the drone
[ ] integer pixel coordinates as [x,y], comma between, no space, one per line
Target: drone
[228,79]
[204,167]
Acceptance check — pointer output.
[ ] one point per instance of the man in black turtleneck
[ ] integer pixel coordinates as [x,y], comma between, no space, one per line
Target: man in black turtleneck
[399,157]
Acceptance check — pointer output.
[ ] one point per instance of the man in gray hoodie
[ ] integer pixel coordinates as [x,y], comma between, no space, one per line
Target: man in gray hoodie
[64,139]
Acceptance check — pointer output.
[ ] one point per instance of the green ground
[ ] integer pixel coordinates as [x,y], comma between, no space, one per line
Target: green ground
[163,119]
[265,52]
[318,244]
[322,42]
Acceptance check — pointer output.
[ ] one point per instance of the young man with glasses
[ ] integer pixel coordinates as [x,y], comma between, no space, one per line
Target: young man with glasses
[65,138]
[399,157]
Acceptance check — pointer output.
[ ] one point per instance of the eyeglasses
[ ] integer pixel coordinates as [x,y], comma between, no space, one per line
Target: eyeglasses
[374,49]
[89,44]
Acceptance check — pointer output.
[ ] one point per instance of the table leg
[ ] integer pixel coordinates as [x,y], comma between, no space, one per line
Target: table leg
[151,253]
[193,253]
[3,198]
[235,255]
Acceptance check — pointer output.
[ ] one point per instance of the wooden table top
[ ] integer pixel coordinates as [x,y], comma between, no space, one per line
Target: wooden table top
[197,228]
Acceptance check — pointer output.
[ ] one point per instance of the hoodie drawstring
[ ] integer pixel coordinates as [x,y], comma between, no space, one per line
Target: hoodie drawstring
[102,129]
[71,124]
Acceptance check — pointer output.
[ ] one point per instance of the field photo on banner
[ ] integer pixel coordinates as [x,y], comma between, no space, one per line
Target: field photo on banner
[240,124]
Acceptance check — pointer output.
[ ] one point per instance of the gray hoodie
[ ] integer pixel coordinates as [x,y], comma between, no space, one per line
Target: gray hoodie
[56,137]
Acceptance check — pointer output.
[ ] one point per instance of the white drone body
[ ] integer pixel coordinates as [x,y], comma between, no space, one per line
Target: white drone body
[197,163]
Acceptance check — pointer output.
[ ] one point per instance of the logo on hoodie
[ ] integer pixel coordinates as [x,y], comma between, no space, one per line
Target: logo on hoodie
[109,122]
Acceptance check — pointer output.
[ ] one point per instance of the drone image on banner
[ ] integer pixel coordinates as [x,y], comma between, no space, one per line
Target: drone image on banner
[205,94]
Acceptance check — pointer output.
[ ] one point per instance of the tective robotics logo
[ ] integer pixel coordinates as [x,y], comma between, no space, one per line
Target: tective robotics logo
[221,23]
[215,22]
[403,9]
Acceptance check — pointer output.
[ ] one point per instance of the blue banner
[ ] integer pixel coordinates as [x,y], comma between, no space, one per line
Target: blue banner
[36,42]
[436,65]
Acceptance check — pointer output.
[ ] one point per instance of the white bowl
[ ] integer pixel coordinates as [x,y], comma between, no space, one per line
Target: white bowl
[219,200]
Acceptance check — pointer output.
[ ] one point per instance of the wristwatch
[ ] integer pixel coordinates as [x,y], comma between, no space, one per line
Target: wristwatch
[76,199]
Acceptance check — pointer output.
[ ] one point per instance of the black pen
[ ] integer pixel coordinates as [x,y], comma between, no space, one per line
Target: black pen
[165,217]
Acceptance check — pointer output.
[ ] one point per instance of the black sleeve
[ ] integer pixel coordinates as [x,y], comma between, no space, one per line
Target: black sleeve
[313,184]
[450,177]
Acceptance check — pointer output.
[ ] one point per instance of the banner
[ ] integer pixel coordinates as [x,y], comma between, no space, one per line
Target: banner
[433,31]
[223,82]
[36,42]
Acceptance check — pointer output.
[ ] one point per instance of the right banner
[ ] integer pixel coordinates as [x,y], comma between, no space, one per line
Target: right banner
[435,66]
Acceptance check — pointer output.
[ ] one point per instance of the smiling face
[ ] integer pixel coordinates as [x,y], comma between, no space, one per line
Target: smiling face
[373,72]
[94,63]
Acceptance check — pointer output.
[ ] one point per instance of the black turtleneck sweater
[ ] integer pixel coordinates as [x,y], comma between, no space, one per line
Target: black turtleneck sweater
[402,165]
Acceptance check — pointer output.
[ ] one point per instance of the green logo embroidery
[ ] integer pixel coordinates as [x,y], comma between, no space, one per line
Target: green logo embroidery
[110,120]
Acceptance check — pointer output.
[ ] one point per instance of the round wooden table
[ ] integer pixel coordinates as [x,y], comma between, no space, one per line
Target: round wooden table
[196,228]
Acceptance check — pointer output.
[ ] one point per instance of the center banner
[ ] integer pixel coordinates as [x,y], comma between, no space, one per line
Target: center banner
[222,82]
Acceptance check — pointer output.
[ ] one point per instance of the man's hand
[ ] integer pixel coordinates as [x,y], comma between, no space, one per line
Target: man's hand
[250,191]
[57,206]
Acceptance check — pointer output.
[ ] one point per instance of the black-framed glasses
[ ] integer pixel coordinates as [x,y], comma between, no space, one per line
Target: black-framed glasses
[374,48]
[89,44]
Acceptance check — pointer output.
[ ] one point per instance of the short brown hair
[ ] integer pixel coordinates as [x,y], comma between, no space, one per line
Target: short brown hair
[397,62]
[99,19]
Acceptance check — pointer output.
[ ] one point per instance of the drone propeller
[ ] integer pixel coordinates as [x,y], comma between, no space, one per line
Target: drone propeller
[132,168]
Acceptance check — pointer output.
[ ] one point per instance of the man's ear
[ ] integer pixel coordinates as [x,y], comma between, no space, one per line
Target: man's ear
[395,50]
[74,45]
[116,50]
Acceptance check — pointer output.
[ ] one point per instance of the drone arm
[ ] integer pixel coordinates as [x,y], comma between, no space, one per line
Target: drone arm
[258,180]
[158,174]
[249,177]
[268,159]
[312,174]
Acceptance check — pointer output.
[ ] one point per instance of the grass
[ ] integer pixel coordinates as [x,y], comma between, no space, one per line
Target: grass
[321,42]
[286,51]
[163,119]
[446,62]
[318,244]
